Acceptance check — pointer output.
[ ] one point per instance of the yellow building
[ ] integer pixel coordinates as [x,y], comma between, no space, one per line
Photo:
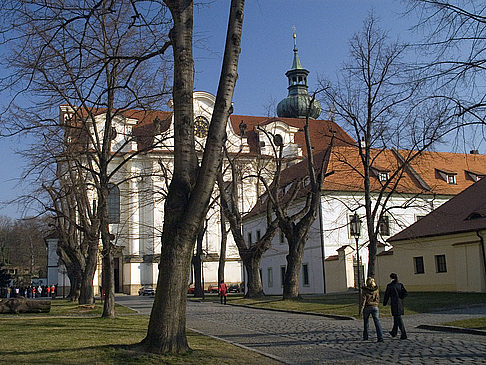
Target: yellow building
[443,251]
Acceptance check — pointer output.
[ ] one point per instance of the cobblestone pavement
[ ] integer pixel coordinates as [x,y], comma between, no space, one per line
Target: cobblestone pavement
[308,339]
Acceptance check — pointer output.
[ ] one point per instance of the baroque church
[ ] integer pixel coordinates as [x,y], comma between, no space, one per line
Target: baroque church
[136,204]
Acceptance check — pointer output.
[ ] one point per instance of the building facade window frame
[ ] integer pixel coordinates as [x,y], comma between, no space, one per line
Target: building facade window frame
[440,263]
[418,264]
[282,238]
[269,277]
[451,179]
[113,203]
[382,176]
[384,225]
[305,275]
[282,274]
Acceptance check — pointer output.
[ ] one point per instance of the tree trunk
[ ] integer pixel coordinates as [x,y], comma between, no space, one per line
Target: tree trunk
[86,295]
[108,272]
[190,190]
[108,282]
[86,291]
[294,262]
[75,281]
[254,280]
[372,257]
[168,317]
[197,262]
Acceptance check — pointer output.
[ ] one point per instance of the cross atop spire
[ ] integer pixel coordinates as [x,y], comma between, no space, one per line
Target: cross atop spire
[296,62]
[294,36]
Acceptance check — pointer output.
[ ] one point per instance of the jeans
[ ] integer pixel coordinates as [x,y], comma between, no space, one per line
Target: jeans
[398,323]
[366,315]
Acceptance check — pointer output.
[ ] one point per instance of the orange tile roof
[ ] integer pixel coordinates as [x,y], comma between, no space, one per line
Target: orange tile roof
[349,173]
[348,170]
[459,163]
[319,130]
[421,178]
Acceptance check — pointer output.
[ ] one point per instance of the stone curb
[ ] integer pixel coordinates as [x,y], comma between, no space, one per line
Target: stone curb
[470,331]
[273,357]
[333,316]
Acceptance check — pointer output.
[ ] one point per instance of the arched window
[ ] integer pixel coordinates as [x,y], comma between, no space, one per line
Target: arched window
[113,204]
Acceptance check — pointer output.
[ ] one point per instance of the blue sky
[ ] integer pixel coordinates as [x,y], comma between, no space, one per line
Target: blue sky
[323,29]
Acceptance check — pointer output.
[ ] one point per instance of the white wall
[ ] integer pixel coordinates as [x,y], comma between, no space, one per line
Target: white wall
[336,207]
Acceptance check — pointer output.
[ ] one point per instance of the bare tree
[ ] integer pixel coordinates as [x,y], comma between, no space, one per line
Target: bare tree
[379,102]
[22,246]
[295,224]
[251,252]
[191,186]
[453,57]
[97,58]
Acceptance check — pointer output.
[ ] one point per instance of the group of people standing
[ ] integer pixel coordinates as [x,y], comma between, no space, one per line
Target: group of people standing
[32,291]
[370,299]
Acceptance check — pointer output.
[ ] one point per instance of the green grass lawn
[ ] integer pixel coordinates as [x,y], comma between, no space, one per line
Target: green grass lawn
[76,340]
[63,307]
[475,323]
[347,304]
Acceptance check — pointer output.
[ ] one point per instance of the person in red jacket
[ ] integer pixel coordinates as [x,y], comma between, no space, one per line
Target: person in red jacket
[223,291]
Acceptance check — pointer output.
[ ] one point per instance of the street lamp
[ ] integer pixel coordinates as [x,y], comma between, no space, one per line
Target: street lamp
[355,230]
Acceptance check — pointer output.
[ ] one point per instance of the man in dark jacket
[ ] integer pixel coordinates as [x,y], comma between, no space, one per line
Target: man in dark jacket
[395,292]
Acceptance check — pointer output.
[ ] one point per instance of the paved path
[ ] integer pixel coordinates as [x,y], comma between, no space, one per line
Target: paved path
[307,339]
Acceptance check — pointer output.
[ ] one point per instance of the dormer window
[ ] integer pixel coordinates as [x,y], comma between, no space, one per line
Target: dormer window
[383,176]
[476,215]
[381,173]
[447,176]
[474,175]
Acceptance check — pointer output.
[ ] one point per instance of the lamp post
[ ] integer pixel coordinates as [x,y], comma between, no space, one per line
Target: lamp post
[355,230]
[63,281]
[321,234]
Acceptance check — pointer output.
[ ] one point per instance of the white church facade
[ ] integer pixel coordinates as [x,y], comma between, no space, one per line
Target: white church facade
[139,188]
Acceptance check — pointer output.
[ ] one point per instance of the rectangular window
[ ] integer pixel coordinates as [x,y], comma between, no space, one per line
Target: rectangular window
[270,277]
[451,179]
[282,238]
[249,237]
[384,226]
[282,275]
[418,263]
[383,176]
[305,274]
[259,235]
[113,202]
[440,263]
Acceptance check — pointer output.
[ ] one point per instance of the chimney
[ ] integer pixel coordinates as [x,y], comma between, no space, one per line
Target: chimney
[474,152]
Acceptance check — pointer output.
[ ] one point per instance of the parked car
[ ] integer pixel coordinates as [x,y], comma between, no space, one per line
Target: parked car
[212,289]
[146,290]
[234,288]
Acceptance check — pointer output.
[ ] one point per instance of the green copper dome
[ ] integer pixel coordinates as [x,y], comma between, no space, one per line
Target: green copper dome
[296,104]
